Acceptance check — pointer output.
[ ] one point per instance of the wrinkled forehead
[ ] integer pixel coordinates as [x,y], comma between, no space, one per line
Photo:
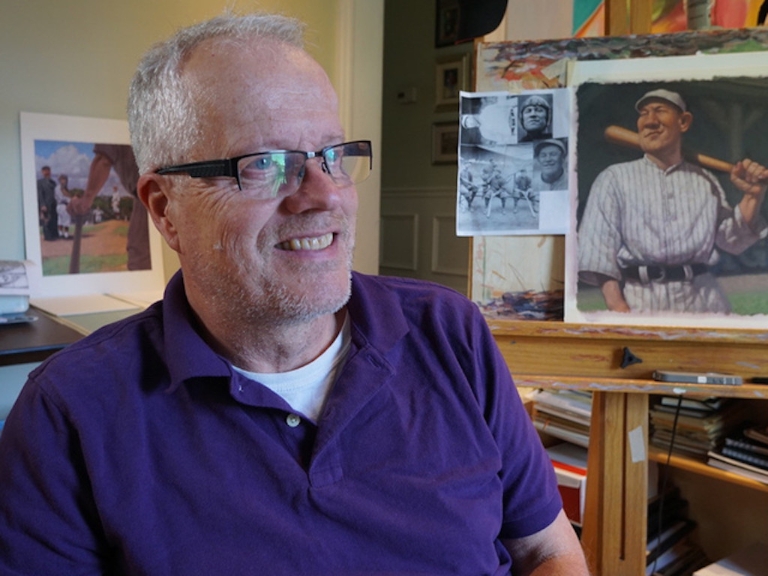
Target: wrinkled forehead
[258,82]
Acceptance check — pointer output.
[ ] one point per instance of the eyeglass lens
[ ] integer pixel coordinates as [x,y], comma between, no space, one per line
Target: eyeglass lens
[274,174]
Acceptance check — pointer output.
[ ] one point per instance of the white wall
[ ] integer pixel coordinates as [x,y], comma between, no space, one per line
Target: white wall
[359,58]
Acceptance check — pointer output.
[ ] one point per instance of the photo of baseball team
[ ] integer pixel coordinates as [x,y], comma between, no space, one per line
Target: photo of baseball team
[513,163]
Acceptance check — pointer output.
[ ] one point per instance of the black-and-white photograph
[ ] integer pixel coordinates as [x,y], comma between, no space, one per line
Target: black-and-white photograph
[513,163]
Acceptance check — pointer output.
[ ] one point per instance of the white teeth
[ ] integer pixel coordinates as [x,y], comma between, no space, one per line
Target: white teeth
[316,243]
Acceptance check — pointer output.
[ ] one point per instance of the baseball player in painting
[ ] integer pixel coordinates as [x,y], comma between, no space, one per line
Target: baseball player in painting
[651,226]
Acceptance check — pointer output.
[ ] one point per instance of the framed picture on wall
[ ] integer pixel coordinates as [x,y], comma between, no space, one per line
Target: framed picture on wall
[446,22]
[445,143]
[83,244]
[451,77]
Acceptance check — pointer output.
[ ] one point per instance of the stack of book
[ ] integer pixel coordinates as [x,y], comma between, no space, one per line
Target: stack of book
[564,414]
[570,464]
[670,551]
[744,453]
[700,427]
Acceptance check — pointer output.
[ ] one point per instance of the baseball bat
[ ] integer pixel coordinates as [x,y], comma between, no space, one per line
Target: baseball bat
[624,137]
[74,261]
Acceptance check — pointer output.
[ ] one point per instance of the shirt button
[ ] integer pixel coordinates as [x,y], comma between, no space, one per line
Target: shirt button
[292,420]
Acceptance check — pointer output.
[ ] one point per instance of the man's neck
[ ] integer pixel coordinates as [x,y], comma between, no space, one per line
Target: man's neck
[665,160]
[270,346]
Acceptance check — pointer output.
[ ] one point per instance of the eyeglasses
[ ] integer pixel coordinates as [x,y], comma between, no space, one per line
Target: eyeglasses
[278,173]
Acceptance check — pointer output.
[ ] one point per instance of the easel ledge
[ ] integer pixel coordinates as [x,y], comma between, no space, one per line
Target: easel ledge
[589,356]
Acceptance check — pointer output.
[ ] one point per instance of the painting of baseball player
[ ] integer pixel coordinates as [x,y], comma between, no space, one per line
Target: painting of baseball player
[653,227]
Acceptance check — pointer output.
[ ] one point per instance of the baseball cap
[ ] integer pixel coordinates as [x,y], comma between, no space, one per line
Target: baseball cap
[539,145]
[662,94]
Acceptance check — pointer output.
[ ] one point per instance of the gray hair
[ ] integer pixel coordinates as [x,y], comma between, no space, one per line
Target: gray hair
[162,115]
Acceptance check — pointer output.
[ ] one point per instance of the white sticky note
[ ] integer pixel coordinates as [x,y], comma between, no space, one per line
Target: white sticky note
[637,444]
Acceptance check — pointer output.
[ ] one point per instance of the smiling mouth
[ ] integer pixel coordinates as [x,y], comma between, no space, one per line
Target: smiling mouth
[315,243]
[651,133]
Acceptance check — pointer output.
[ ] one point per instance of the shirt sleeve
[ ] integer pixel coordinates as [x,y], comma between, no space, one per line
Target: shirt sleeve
[48,522]
[531,498]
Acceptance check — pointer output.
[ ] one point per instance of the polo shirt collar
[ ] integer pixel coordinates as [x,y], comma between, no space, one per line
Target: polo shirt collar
[369,297]
[189,356]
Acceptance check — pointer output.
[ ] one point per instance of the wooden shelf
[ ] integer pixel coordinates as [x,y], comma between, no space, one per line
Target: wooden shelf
[703,469]
[641,386]
[567,352]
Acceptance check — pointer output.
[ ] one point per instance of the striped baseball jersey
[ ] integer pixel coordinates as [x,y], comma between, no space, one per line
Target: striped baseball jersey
[640,215]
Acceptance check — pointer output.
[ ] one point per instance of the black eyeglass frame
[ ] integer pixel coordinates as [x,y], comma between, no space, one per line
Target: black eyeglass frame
[227,167]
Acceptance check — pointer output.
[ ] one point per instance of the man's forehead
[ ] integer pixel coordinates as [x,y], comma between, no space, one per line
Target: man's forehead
[657,103]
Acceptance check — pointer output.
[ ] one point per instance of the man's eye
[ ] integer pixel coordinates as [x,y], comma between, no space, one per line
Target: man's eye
[332,156]
[262,163]
[262,169]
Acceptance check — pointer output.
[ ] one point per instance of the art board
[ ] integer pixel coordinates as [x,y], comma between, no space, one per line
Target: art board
[505,267]
[66,144]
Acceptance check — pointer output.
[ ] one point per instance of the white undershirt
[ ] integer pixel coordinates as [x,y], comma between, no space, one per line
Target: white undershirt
[305,389]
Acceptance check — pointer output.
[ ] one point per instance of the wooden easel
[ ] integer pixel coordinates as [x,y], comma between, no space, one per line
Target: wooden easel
[559,355]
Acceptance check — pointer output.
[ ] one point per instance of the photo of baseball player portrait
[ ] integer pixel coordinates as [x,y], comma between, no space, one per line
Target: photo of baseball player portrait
[513,168]
[670,213]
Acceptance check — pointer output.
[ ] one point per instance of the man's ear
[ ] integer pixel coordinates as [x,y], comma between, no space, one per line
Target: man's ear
[686,119]
[153,191]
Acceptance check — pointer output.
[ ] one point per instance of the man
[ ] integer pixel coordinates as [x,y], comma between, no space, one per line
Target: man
[467,186]
[275,413]
[46,201]
[549,170]
[651,227]
[535,119]
[63,196]
[494,186]
[121,158]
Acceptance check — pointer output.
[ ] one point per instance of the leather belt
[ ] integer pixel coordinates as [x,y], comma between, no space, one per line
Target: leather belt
[647,274]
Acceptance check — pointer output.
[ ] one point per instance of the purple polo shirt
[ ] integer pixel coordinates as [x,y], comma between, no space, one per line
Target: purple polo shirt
[138,450]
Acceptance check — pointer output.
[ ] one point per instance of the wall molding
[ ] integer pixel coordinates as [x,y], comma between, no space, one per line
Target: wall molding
[407,223]
[438,221]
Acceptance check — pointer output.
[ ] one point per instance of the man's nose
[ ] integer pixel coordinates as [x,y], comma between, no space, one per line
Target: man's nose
[317,191]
